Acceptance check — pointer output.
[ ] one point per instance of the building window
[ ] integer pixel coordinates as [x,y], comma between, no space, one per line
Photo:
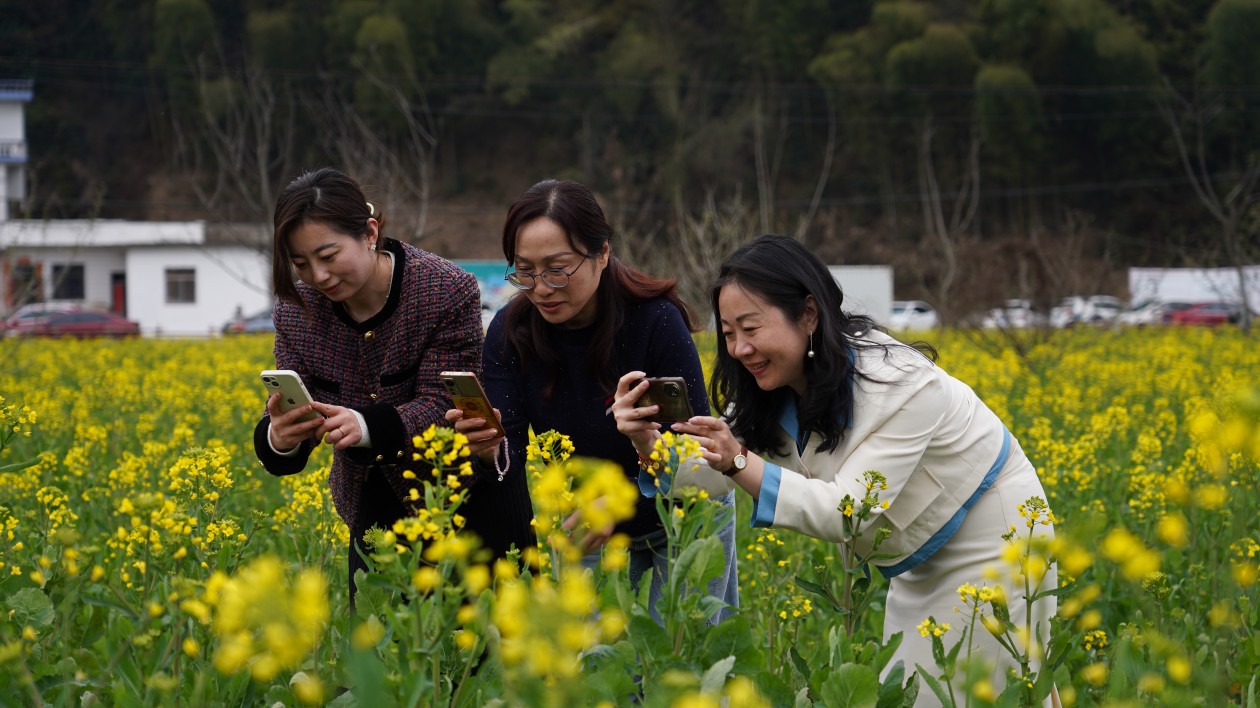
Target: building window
[181,285]
[68,282]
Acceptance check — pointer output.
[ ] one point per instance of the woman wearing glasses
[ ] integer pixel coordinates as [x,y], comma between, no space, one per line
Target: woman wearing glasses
[583,327]
[368,323]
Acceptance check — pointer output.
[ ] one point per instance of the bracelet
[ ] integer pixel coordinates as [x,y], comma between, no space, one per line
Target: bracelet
[507,464]
[647,463]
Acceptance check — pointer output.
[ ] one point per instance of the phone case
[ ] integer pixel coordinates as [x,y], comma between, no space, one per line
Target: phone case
[293,392]
[670,393]
[468,396]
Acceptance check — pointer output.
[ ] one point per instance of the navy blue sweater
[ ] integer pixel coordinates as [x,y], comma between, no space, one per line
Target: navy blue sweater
[654,339]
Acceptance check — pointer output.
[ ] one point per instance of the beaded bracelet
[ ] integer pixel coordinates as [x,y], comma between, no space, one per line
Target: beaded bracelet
[507,464]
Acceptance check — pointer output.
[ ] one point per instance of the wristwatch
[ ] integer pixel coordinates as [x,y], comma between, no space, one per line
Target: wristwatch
[739,463]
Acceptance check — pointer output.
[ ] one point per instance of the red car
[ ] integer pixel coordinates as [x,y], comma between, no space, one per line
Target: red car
[1208,313]
[78,323]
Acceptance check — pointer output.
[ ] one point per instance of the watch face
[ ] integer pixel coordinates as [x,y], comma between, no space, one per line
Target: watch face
[740,462]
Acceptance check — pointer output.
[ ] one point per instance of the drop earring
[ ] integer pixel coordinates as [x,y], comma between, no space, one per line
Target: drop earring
[810,353]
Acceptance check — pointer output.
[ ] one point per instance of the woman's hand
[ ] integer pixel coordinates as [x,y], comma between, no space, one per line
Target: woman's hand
[718,444]
[288,430]
[341,426]
[632,422]
[587,539]
[483,439]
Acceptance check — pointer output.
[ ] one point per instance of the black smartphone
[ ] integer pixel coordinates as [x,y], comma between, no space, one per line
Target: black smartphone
[670,393]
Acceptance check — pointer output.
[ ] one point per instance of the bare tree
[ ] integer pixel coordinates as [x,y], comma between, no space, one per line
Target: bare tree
[962,212]
[1227,199]
[698,243]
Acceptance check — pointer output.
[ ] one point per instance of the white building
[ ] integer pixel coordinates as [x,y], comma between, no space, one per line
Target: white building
[1195,285]
[174,278]
[868,289]
[14,95]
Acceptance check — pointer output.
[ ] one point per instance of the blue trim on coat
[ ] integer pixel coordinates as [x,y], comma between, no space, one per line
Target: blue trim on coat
[765,503]
[947,531]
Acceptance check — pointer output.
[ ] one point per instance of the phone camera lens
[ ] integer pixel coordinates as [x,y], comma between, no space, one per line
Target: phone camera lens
[672,390]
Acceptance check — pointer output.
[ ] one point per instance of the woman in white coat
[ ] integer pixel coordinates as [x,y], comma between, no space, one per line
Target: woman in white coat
[814,397]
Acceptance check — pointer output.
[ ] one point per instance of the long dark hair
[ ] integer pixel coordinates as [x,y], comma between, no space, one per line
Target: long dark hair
[783,273]
[573,207]
[326,196]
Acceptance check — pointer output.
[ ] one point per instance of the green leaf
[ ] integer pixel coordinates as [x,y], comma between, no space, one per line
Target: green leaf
[885,654]
[732,637]
[715,676]
[851,686]
[31,607]
[648,636]
[941,694]
[367,676]
[708,561]
[890,691]
[799,662]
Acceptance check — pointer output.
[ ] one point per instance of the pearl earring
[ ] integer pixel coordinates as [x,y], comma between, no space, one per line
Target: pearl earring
[810,353]
[373,247]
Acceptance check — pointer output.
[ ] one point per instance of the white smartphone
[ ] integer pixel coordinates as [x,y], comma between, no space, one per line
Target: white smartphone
[468,396]
[293,392]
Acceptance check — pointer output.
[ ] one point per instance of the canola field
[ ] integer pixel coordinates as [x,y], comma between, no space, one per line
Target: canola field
[146,558]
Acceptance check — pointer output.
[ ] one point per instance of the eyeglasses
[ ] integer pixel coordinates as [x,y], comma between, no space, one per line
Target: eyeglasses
[553,277]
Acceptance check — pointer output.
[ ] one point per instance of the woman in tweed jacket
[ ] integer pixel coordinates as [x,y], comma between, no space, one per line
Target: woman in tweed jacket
[369,325]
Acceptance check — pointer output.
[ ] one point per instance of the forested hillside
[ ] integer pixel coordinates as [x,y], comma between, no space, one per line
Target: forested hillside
[1049,142]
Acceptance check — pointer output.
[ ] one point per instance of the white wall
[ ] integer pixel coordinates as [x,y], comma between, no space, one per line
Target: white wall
[226,277]
[12,126]
[71,233]
[98,264]
[1193,284]
[867,290]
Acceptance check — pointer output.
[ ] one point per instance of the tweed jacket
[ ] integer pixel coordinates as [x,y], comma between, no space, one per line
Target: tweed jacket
[385,367]
[928,433]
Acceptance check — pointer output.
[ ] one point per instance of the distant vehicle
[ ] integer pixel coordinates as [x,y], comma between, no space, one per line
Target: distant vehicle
[1015,314]
[37,311]
[259,323]
[1078,309]
[1151,313]
[1208,313]
[912,314]
[77,323]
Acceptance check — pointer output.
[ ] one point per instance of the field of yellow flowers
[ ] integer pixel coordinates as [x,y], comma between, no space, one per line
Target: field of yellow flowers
[147,559]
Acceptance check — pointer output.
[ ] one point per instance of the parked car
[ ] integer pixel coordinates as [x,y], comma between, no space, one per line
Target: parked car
[1014,314]
[37,311]
[258,323]
[1150,313]
[77,323]
[1208,313]
[1079,309]
[912,314]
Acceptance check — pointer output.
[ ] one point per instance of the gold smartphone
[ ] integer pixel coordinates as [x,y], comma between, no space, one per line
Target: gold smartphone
[468,396]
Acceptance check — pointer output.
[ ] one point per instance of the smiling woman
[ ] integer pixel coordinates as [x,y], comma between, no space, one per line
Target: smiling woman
[368,324]
[833,410]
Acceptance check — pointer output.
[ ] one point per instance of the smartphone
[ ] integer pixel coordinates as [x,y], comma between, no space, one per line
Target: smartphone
[468,396]
[293,392]
[670,393]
